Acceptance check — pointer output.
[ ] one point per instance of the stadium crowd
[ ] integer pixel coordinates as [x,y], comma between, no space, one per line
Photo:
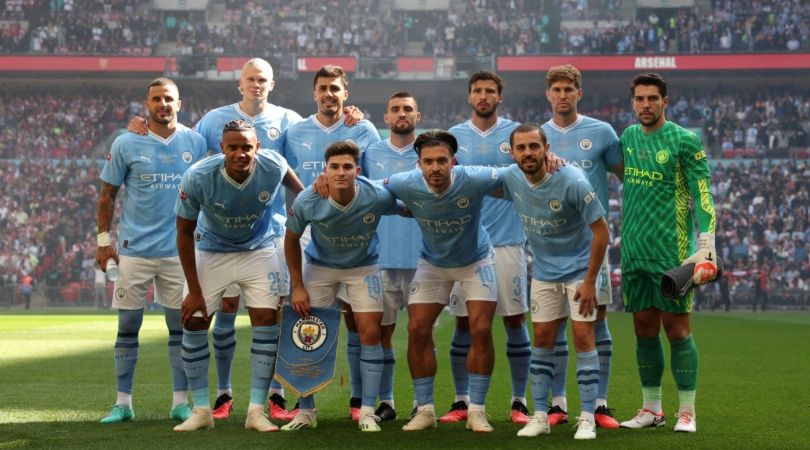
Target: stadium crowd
[768,25]
[276,28]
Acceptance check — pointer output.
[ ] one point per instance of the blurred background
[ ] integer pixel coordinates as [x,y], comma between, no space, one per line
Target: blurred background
[73,72]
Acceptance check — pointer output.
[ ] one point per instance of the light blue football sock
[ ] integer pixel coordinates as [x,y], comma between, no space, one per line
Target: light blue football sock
[604,346]
[224,340]
[371,367]
[560,362]
[541,370]
[423,390]
[519,353]
[196,358]
[459,348]
[263,349]
[172,318]
[479,386]
[353,353]
[387,380]
[588,379]
[126,347]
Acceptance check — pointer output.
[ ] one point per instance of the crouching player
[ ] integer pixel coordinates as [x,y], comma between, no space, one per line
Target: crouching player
[565,227]
[343,251]
[231,193]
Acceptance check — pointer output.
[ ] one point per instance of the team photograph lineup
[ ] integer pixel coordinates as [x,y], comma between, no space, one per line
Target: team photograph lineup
[299,218]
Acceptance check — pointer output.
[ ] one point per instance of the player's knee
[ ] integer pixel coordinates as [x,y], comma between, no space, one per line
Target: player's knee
[544,336]
[514,321]
[230,304]
[463,323]
[419,333]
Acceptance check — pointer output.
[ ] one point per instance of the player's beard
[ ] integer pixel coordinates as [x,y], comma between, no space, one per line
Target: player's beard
[403,131]
[649,120]
[485,114]
[538,166]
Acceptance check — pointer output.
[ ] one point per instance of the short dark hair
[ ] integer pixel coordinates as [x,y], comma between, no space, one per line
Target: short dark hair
[401,94]
[527,127]
[331,71]
[435,137]
[485,75]
[162,81]
[649,79]
[343,148]
[238,125]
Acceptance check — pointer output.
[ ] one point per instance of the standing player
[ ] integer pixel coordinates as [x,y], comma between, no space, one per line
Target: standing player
[342,252]
[150,167]
[225,207]
[593,146]
[399,236]
[255,84]
[664,165]
[484,141]
[304,148]
[568,235]
[446,201]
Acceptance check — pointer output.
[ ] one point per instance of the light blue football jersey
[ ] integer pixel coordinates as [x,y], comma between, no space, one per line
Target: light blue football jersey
[491,148]
[556,214]
[231,217]
[400,237]
[450,221]
[343,237]
[307,140]
[270,127]
[151,169]
[589,144]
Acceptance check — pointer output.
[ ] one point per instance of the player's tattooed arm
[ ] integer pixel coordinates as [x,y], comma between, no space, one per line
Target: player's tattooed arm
[104,217]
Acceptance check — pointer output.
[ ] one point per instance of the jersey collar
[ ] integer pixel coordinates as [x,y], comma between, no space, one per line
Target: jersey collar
[323,127]
[351,203]
[563,130]
[234,183]
[396,149]
[484,133]
[167,140]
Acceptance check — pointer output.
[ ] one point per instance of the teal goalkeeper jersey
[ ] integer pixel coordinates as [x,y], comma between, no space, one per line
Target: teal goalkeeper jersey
[662,171]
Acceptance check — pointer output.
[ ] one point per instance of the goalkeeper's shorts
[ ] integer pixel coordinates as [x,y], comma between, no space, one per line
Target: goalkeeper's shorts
[641,287]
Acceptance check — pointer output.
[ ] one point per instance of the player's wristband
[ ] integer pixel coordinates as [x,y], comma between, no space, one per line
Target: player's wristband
[103,239]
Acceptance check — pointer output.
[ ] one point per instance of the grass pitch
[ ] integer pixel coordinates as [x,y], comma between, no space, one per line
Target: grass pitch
[57,380]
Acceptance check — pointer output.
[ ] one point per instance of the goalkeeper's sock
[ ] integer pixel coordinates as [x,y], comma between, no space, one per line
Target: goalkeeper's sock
[650,359]
[684,363]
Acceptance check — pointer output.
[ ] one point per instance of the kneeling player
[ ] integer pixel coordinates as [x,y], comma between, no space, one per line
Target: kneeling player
[568,235]
[343,251]
[231,193]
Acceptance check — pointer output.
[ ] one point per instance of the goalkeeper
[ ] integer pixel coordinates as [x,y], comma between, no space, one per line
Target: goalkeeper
[664,165]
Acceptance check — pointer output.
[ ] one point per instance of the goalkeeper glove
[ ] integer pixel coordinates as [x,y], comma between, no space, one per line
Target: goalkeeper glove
[705,259]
